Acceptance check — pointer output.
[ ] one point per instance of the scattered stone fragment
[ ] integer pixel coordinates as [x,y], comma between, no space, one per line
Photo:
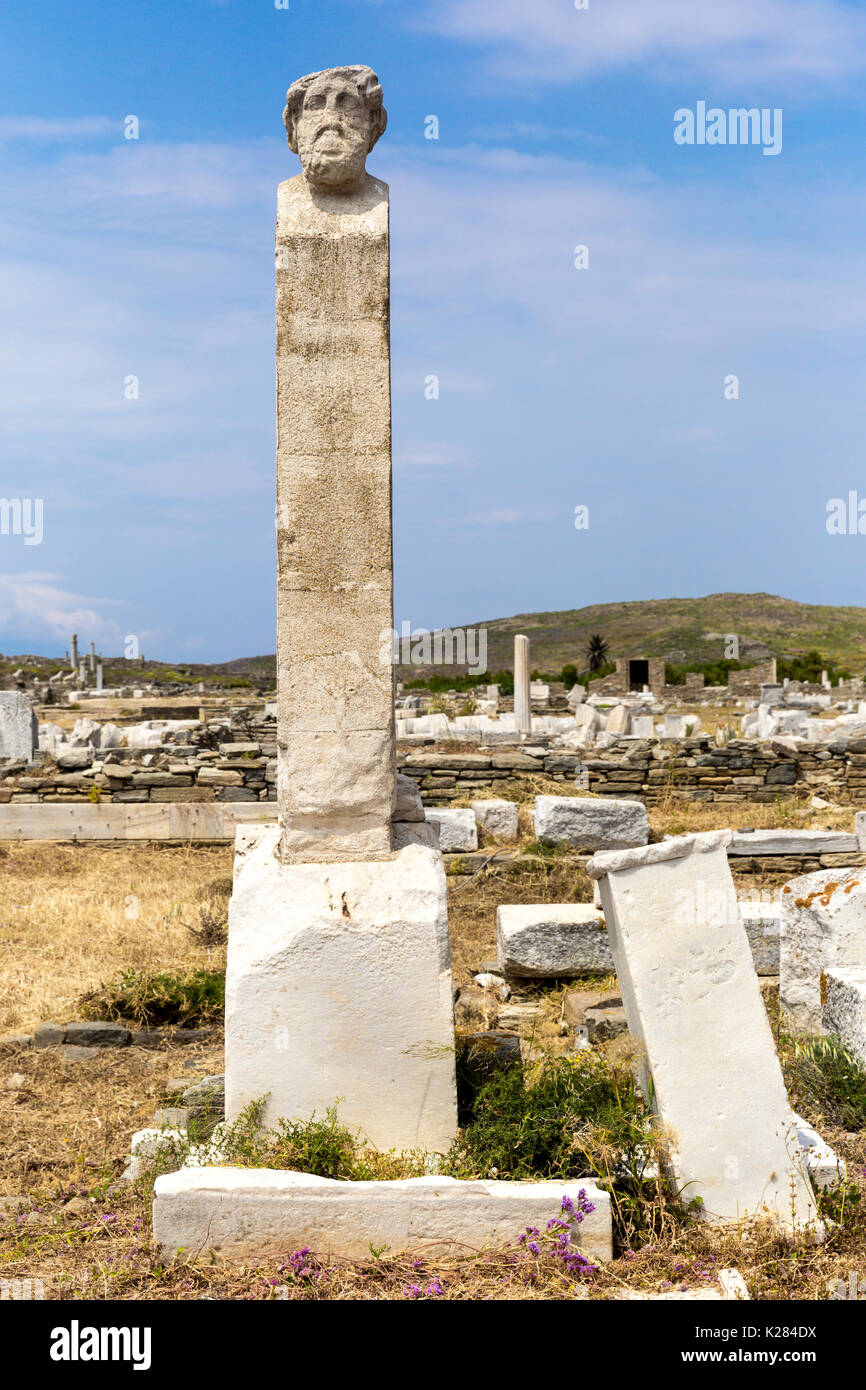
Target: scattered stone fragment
[763,923]
[73,1053]
[515,1015]
[172,1117]
[49,1035]
[458,831]
[98,1034]
[604,1024]
[498,819]
[844,1009]
[590,824]
[206,1100]
[78,1204]
[551,940]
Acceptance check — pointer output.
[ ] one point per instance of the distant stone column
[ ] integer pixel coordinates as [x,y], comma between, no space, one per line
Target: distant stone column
[93,656]
[73,652]
[82,674]
[335,726]
[522,703]
[99,676]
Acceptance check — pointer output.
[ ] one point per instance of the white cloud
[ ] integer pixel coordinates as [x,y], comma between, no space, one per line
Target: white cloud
[34,603]
[433,455]
[51,129]
[738,40]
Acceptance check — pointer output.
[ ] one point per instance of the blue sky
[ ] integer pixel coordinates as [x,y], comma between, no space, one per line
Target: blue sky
[558,387]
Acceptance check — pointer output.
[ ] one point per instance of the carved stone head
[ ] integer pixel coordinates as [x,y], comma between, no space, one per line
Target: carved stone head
[333,119]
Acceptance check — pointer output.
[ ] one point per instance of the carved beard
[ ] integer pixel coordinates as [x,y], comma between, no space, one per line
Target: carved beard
[332,158]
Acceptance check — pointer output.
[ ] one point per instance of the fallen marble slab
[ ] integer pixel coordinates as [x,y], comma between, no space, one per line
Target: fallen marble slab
[802,842]
[252,1211]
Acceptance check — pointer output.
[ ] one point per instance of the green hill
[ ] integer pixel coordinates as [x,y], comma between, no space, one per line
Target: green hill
[683,630]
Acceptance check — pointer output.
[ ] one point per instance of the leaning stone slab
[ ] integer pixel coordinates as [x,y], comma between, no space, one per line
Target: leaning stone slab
[252,1211]
[551,941]
[591,825]
[763,925]
[458,831]
[844,1012]
[339,985]
[815,842]
[694,1004]
[823,928]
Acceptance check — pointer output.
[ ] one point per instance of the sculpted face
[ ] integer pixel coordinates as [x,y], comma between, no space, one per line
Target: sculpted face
[333,132]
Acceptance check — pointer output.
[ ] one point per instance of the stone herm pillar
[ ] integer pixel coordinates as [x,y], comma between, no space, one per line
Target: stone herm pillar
[338,980]
[522,702]
[99,676]
[693,1002]
[335,728]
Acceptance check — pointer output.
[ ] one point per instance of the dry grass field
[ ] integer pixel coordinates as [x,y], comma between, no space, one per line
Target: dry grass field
[74,917]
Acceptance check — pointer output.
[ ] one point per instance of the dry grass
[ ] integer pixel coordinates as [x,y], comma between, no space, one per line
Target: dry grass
[73,916]
[63,1138]
[64,1132]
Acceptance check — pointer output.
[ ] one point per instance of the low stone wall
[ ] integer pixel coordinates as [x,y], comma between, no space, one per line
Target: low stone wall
[245,769]
[237,769]
[688,769]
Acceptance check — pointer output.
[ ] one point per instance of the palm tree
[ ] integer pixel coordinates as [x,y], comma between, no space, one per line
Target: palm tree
[596,652]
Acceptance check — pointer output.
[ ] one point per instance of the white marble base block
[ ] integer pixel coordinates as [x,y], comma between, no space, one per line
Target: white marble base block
[693,1001]
[338,987]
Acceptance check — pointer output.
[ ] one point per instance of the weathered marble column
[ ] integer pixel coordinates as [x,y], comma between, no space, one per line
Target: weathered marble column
[522,704]
[336,703]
